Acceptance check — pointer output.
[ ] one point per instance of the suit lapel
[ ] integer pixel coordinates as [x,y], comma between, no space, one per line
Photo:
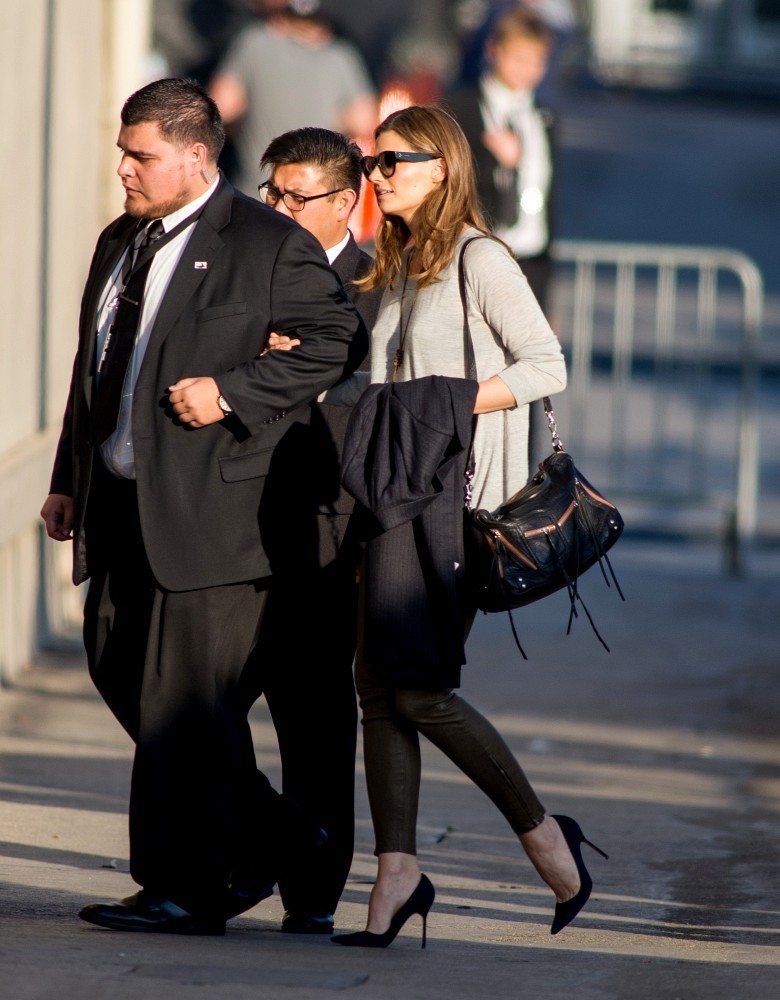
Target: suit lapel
[198,256]
[202,247]
[345,264]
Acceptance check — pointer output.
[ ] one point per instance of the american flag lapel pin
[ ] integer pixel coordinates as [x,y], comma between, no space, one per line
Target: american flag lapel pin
[201,265]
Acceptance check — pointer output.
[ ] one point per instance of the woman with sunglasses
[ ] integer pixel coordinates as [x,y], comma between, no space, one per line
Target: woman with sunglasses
[423,179]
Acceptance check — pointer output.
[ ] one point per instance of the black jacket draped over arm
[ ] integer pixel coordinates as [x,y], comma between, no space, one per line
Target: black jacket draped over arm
[404,458]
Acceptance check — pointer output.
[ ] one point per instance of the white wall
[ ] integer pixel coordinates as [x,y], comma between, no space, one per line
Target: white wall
[65,68]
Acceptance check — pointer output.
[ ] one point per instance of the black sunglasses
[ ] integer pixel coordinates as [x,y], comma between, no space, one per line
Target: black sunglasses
[386,161]
[295,202]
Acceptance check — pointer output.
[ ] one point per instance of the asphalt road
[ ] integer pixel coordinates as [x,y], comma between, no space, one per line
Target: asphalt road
[667,168]
[665,749]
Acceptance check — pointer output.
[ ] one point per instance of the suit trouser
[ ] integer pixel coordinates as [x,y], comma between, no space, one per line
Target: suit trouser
[309,636]
[175,669]
[180,671]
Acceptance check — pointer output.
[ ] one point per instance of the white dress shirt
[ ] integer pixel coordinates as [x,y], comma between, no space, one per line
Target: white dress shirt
[117,450]
[333,252]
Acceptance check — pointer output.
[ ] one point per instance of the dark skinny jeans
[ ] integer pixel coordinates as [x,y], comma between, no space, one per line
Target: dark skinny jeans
[392,720]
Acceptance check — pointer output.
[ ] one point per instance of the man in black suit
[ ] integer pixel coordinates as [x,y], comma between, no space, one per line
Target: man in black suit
[314,177]
[181,477]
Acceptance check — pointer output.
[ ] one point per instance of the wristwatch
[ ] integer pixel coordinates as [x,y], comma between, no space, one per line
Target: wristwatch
[223,404]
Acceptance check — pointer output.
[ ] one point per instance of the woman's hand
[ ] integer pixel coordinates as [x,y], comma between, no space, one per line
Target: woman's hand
[494,394]
[279,342]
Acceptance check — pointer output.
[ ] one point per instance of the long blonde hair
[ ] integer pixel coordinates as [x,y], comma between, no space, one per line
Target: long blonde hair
[441,217]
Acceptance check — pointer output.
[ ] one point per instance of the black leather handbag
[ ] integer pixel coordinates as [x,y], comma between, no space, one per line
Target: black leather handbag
[543,538]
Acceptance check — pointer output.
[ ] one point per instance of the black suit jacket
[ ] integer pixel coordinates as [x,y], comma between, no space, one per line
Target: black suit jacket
[351,264]
[246,270]
[404,458]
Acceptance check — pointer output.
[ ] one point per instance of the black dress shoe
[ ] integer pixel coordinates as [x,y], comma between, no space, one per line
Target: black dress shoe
[295,922]
[146,912]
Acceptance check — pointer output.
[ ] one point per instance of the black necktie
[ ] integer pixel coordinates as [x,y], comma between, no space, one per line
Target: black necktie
[119,344]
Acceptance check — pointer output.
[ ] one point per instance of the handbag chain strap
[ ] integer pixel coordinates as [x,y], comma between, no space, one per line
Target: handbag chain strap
[470,368]
[556,441]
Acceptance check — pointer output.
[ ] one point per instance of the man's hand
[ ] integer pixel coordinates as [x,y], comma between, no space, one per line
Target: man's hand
[57,513]
[194,401]
[279,342]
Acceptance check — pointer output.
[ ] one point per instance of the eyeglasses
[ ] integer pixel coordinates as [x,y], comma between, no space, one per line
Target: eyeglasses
[295,202]
[387,161]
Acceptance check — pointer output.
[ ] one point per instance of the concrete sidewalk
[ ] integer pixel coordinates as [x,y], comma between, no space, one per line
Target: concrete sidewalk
[667,750]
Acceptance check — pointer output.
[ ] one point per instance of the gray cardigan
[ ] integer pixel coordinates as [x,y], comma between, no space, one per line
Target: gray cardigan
[511,338]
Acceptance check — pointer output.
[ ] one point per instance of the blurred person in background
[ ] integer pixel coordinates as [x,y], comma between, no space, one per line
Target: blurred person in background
[562,18]
[511,141]
[288,71]
[192,36]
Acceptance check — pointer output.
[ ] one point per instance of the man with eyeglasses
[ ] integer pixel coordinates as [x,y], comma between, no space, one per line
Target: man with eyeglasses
[314,178]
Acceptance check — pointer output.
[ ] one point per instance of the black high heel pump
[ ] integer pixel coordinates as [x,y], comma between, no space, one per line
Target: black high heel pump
[420,901]
[566,912]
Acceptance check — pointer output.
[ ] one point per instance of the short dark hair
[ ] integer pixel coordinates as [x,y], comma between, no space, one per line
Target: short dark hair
[182,110]
[335,154]
[517,22]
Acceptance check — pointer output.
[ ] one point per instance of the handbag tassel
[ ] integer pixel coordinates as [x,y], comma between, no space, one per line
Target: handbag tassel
[601,553]
[499,565]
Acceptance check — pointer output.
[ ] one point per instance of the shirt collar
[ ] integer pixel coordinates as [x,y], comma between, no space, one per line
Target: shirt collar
[333,252]
[192,206]
[502,98]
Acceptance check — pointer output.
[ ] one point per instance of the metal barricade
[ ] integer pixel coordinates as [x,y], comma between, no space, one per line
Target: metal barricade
[662,344]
